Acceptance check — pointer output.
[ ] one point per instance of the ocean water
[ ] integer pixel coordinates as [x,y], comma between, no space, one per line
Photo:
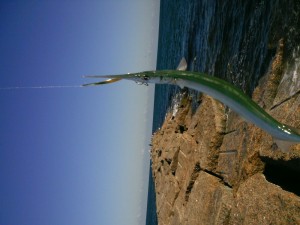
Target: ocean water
[230,39]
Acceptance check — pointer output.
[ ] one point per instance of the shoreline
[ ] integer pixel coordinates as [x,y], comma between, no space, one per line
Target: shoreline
[211,167]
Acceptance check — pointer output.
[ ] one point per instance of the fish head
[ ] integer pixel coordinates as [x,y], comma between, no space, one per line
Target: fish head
[142,78]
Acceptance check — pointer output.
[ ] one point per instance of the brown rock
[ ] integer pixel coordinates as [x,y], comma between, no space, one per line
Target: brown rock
[259,202]
[208,165]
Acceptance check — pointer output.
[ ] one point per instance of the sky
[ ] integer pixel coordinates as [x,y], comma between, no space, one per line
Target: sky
[75,155]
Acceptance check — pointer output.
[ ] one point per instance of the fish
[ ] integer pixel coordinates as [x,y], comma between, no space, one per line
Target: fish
[284,135]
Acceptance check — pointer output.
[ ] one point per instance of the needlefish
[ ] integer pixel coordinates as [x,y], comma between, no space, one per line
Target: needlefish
[283,135]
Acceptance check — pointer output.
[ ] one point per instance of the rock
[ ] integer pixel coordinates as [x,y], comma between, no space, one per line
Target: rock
[209,165]
[259,202]
[212,206]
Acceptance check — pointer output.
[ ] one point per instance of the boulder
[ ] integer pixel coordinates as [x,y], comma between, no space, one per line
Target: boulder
[212,167]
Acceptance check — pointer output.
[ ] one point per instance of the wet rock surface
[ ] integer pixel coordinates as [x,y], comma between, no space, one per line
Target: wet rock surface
[212,167]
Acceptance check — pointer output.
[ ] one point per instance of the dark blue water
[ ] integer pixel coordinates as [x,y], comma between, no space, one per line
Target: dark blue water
[231,39]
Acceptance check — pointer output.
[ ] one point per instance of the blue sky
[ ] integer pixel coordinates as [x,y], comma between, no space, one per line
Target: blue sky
[75,155]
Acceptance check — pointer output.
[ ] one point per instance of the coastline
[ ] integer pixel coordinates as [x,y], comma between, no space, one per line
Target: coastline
[211,167]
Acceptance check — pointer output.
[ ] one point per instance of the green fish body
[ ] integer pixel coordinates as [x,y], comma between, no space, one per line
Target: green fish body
[220,90]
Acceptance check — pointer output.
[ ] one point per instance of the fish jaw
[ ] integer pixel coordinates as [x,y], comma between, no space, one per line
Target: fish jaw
[108,81]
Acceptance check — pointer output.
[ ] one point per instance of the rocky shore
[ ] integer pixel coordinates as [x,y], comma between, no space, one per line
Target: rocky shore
[212,167]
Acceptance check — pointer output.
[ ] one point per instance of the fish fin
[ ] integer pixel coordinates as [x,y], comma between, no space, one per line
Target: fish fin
[178,82]
[102,82]
[283,144]
[182,65]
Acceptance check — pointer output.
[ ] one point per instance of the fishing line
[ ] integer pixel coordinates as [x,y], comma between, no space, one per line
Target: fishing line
[40,87]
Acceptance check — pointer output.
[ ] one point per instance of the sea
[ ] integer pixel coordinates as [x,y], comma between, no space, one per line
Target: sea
[231,39]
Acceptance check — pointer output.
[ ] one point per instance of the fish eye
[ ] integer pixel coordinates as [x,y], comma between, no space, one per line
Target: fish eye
[145,77]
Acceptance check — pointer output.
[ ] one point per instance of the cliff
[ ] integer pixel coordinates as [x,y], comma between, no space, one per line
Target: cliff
[212,167]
